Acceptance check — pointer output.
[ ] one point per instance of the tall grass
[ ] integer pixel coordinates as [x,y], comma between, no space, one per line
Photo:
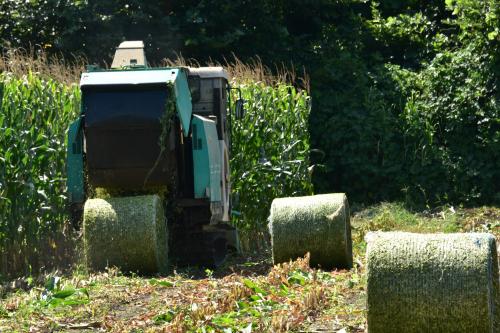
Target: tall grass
[20,62]
[270,153]
[250,72]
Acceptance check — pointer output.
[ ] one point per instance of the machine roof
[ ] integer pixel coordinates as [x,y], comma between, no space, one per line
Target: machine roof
[209,72]
[146,76]
[128,77]
[131,44]
[137,77]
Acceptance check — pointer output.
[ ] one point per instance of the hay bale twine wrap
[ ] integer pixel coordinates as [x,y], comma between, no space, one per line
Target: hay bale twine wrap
[127,232]
[317,224]
[432,282]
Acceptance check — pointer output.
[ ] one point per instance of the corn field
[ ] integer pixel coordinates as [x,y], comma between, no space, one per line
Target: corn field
[270,151]
[270,158]
[33,119]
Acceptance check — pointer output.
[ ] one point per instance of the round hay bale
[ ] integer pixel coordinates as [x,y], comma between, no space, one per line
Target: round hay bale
[432,282]
[317,224]
[127,232]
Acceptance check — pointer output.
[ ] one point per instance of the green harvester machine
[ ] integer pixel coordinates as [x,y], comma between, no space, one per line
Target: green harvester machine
[152,131]
[148,173]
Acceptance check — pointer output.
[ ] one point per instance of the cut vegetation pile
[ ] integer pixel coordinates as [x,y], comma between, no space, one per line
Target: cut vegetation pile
[432,282]
[134,226]
[316,224]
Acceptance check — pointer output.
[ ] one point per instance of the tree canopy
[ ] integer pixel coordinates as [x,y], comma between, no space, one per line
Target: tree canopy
[405,93]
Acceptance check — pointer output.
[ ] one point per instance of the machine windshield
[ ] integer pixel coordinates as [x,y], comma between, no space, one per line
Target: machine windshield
[119,106]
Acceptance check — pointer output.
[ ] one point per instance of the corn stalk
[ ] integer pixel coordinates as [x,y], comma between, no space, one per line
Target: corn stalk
[270,151]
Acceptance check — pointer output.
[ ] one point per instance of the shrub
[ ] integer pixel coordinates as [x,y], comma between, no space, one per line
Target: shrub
[410,110]
[451,129]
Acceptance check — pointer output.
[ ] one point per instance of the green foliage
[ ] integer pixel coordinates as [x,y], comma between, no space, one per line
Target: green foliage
[355,133]
[34,117]
[95,28]
[162,283]
[410,111]
[406,38]
[451,115]
[225,26]
[68,296]
[476,18]
[165,317]
[269,154]
[33,120]
[405,92]
[451,124]
[262,301]
[36,21]
[395,216]
[70,26]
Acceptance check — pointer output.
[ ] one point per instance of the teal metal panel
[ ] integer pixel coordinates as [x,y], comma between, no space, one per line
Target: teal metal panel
[175,76]
[201,162]
[207,159]
[74,162]
[128,77]
[215,156]
[183,100]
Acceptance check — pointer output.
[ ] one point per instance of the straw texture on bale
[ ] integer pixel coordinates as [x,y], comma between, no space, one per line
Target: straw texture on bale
[317,224]
[127,232]
[432,282]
